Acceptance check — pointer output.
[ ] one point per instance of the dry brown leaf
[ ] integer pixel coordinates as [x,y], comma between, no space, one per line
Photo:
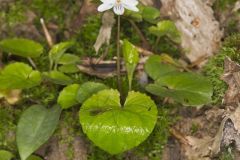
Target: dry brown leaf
[235,117]
[12,96]
[105,30]
[237,6]
[107,68]
[232,77]
[206,148]
[199,144]
[199,149]
[212,137]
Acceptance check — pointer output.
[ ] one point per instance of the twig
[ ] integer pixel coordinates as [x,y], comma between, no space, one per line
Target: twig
[145,42]
[144,52]
[181,138]
[103,55]
[46,33]
[198,61]
[105,69]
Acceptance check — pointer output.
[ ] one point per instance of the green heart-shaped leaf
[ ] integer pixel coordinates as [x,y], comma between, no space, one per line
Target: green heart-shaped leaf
[116,129]
[67,97]
[156,67]
[150,14]
[135,16]
[87,89]
[69,68]
[33,157]
[35,127]
[58,78]
[166,28]
[19,76]
[6,155]
[69,59]
[21,47]
[186,88]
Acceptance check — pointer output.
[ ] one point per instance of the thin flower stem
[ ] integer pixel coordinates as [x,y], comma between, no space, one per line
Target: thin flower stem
[119,57]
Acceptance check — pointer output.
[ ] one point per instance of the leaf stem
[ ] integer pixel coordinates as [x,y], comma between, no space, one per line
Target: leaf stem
[118,57]
[142,37]
[156,43]
[32,63]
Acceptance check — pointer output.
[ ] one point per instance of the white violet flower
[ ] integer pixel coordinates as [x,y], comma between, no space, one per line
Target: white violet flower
[118,6]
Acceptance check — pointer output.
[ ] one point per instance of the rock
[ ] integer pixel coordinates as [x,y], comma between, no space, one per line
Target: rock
[201,33]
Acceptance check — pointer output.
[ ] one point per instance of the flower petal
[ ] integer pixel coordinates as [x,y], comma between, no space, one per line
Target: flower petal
[130,7]
[118,9]
[130,2]
[108,1]
[104,7]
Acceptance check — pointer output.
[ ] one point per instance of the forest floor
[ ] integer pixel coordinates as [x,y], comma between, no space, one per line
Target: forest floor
[209,45]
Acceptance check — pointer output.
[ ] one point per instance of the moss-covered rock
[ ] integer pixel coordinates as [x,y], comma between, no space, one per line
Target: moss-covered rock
[215,67]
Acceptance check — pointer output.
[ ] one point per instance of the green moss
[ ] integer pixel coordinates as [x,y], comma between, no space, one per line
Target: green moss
[12,14]
[130,33]
[233,41]
[16,11]
[98,154]
[153,146]
[215,67]
[68,129]
[225,7]
[48,10]
[44,94]
[194,128]
[87,36]
[42,62]
[232,25]
[223,4]
[226,155]
[8,121]
[55,10]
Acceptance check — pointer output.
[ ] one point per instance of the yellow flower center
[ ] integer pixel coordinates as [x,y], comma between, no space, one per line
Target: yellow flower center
[118,1]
